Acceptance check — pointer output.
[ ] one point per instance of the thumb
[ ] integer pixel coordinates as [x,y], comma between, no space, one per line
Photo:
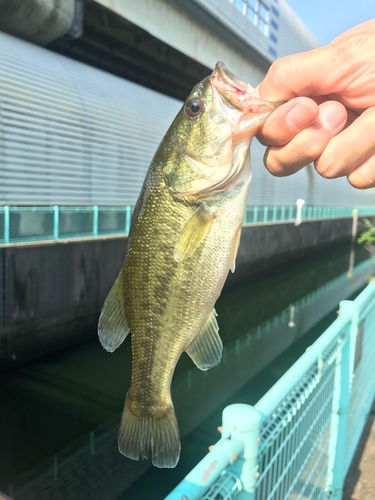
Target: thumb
[304,74]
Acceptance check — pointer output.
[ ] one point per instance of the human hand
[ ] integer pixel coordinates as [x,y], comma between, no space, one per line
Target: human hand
[329,118]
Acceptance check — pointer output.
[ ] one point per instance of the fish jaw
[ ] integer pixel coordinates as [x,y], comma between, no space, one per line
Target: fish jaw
[234,99]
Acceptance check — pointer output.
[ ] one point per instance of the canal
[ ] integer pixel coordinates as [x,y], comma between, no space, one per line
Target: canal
[59,416]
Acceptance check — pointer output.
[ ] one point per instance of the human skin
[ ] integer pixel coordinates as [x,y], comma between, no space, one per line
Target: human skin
[329,116]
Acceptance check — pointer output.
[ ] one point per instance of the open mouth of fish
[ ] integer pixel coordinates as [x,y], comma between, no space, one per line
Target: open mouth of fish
[235,94]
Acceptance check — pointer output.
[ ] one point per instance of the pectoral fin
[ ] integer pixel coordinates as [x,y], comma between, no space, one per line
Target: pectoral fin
[113,326]
[236,244]
[207,348]
[193,233]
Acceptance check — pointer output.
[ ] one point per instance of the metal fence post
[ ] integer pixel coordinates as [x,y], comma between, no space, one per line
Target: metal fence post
[255,214]
[265,214]
[6,224]
[128,220]
[341,403]
[239,446]
[243,422]
[95,220]
[55,222]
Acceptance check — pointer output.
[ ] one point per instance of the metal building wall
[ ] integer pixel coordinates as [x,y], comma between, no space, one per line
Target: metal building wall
[74,135]
[71,134]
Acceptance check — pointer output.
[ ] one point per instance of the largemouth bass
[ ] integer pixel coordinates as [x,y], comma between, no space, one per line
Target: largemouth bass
[183,240]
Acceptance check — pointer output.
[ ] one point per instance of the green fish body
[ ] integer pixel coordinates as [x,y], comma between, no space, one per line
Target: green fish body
[183,240]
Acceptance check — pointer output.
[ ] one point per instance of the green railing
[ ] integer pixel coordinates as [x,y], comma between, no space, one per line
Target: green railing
[22,224]
[19,224]
[299,439]
[258,214]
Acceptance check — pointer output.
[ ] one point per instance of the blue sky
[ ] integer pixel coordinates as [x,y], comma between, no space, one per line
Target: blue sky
[326,19]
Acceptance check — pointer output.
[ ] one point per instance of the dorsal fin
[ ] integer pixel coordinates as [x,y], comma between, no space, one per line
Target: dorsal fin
[193,233]
[113,326]
[207,348]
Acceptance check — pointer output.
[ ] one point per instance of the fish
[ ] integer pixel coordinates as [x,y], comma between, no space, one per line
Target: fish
[183,240]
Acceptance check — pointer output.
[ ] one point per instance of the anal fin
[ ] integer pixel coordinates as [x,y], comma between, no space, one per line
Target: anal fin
[113,326]
[207,348]
[193,234]
[236,244]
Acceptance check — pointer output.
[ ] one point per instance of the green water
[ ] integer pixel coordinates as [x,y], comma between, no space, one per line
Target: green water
[59,416]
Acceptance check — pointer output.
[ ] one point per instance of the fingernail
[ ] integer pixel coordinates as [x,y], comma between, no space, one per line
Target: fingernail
[300,116]
[332,116]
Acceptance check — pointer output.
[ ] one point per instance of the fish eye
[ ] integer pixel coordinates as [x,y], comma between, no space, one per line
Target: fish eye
[194,107]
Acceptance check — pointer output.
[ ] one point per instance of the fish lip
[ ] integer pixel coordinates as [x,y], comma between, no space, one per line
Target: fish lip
[238,94]
[222,78]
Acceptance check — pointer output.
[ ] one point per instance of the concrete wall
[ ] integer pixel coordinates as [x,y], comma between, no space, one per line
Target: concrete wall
[268,245]
[52,293]
[170,24]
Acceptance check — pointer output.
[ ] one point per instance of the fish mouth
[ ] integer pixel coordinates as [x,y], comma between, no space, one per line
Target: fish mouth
[226,80]
[237,94]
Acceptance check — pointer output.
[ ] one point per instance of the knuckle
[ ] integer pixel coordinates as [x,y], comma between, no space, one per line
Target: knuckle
[330,165]
[277,70]
[326,169]
[272,163]
[310,149]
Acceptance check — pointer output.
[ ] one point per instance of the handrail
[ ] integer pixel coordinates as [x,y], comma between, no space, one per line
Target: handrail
[26,224]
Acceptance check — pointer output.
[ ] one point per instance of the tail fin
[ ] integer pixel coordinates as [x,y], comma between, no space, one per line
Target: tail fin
[149,435]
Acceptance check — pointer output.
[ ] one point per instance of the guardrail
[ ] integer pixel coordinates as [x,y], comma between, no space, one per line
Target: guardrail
[22,224]
[299,439]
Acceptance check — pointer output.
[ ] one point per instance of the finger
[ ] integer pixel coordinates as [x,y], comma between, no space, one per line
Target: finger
[306,146]
[363,176]
[287,120]
[350,148]
[301,75]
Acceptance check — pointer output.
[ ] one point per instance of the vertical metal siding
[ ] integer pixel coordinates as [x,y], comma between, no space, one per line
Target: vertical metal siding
[74,135]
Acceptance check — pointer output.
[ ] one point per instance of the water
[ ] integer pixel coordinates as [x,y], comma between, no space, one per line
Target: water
[59,416]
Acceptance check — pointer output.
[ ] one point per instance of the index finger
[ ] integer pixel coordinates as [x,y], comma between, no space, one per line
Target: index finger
[287,121]
[308,73]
